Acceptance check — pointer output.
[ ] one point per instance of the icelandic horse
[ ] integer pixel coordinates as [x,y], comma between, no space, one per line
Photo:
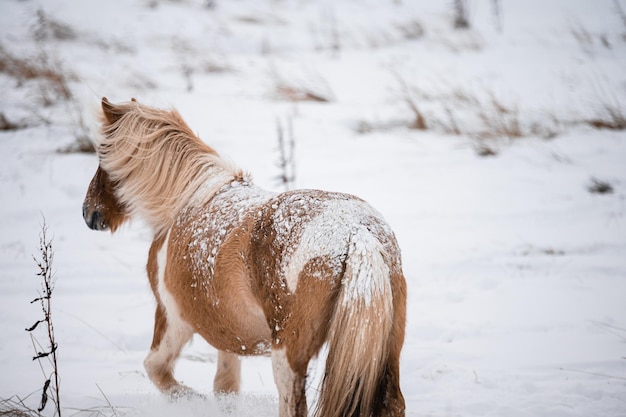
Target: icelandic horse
[252,271]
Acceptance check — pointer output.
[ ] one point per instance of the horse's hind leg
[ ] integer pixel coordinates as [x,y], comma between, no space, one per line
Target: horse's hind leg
[393,404]
[391,401]
[228,374]
[291,385]
[301,336]
[168,340]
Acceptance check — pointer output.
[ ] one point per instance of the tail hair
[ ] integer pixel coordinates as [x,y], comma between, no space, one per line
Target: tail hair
[359,331]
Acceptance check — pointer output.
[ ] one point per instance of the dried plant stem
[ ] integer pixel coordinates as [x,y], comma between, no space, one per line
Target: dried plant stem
[419,122]
[461,20]
[45,272]
[286,160]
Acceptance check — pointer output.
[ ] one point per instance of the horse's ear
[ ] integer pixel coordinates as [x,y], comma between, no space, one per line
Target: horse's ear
[112,113]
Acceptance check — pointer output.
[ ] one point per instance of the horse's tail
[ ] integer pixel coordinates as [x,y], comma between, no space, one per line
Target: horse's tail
[356,374]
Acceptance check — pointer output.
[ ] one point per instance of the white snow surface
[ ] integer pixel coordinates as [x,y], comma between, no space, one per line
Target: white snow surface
[516,273]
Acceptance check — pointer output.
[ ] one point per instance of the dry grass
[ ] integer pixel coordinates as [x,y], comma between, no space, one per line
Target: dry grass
[45,81]
[409,94]
[599,187]
[28,69]
[15,407]
[195,61]
[82,144]
[500,124]
[589,42]
[495,119]
[609,117]
[54,81]
[309,87]
[286,154]
[300,93]
[484,149]
[411,30]
[452,127]
[461,14]
[81,132]
[500,120]
[6,124]
[548,128]
[488,119]
[47,29]
[44,264]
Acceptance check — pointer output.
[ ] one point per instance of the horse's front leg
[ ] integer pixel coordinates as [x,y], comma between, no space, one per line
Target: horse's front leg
[167,342]
[228,374]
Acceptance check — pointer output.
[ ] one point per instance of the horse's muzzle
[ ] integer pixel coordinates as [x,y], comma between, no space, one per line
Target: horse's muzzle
[94,219]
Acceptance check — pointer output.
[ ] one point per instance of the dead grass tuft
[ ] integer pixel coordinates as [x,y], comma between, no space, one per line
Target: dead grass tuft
[15,407]
[82,134]
[47,29]
[599,187]
[408,94]
[609,117]
[82,144]
[411,30]
[308,87]
[484,149]
[500,120]
[300,93]
[461,14]
[6,124]
[590,42]
[286,152]
[38,68]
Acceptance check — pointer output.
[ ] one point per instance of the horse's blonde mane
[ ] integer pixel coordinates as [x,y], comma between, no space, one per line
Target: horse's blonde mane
[157,162]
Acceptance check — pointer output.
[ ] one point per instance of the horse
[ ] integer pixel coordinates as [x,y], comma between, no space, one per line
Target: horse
[254,272]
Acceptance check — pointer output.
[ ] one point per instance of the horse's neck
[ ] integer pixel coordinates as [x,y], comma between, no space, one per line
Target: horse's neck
[216,180]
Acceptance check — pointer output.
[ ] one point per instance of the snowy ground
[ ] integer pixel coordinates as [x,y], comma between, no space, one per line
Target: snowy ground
[516,271]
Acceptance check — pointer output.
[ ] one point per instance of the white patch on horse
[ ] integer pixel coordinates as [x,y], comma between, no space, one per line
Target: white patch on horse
[367,275]
[167,300]
[284,378]
[328,234]
[177,332]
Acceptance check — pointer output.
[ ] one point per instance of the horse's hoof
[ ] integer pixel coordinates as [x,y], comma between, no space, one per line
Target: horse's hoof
[183,392]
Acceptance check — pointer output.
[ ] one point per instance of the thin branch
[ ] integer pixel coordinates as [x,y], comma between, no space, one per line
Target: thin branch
[44,264]
[286,155]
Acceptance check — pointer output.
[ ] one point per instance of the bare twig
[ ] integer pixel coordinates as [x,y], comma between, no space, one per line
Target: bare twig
[409,98]
[47,276]
[286,159]
[620,11]
[461,20]
[496,10]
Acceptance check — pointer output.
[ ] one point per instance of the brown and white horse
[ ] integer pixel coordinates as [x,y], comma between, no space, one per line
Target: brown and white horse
[252,271]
